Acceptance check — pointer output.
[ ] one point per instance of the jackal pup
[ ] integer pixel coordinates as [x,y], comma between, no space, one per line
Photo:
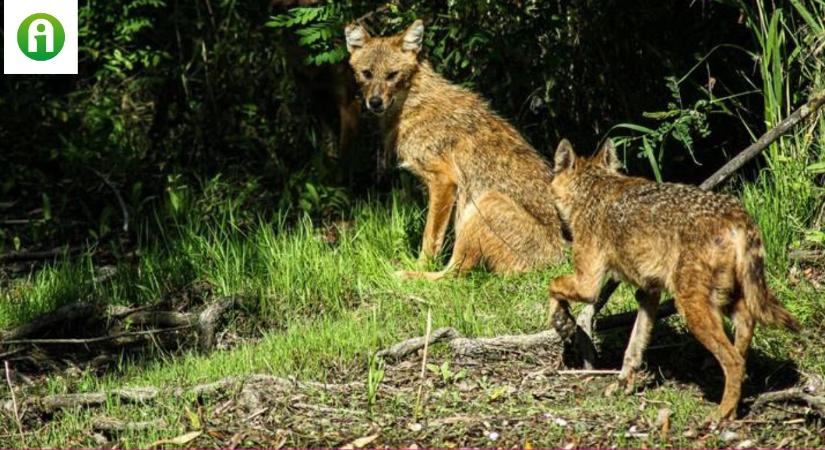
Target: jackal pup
[700,246]
[465,154]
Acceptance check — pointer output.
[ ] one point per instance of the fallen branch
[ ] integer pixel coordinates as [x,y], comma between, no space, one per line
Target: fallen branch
[472,346]
[764,141]
[86,341]
[504,344]
[808,256]
[123,209]
[792,395]
[159,319]
[250,387]
[65,314]
[119,325]
[406,347]
[51,403]
[587,372]
[209,319]
[39,255]
[15,410]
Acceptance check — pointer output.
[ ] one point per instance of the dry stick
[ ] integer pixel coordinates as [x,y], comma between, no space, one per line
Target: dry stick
[585,319]
[38,255]
[424,362]
[123,209]
[83,341]
[65,314]
[208,321]
[520,343]
[14,404]
[409,346]
[375,11]
[795,395]
[148,394]
[588,372]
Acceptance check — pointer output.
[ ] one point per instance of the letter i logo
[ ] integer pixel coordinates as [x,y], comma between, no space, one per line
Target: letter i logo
[41,37]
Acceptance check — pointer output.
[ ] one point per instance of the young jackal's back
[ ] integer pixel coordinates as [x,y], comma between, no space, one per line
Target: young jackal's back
[701,246]
[467,156]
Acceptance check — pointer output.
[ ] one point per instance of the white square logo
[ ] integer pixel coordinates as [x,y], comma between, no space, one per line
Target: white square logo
[39,37]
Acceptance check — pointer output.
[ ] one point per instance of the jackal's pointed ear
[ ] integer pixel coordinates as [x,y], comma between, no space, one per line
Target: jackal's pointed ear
[607,156]
[565,156]
[357,36]
[414,37]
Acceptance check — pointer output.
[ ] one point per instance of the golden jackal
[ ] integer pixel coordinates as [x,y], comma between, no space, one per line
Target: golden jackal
[465,153]
[700,246]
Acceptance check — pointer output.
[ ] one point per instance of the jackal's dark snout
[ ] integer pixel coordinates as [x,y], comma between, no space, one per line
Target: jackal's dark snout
[375,104]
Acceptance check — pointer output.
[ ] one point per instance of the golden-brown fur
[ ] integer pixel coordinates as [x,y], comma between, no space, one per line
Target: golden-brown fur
[468,157]
[701,246]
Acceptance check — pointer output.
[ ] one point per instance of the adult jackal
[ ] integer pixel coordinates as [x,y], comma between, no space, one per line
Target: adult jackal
[469,158]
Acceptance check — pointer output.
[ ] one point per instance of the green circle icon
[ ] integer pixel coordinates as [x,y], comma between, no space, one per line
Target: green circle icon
[41,37]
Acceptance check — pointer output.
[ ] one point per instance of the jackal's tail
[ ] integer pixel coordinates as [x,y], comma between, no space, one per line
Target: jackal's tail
[750,269]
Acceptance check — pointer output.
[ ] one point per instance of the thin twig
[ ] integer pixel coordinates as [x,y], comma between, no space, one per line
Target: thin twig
[14,405]
[38,255]
[92,340]
[379,10]
[424,362]
[124,210]
[588,372]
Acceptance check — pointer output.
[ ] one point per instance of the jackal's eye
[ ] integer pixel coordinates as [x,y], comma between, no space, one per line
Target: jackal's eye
[366,74]
[391,76]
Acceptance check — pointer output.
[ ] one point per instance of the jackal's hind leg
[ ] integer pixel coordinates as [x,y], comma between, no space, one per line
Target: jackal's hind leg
[704,320]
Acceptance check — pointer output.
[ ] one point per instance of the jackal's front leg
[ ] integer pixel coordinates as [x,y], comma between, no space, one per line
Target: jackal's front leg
[582,286]
[441,198]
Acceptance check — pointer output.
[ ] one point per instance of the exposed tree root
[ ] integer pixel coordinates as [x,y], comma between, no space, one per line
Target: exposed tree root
[251,390]
[65,314]
[406,347]
[515,343]
[792,395]
[472,346]
[504,344]
[209,319]
[115,327]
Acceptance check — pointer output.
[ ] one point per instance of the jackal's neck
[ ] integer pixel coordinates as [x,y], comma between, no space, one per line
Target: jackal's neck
[425,86]
[425,83]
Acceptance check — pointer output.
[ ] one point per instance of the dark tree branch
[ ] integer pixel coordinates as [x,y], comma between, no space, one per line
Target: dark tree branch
[764,141]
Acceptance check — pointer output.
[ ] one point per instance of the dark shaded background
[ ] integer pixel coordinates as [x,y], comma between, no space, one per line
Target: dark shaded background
[174,93]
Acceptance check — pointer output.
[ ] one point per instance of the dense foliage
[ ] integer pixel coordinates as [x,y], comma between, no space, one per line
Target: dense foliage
[174,95]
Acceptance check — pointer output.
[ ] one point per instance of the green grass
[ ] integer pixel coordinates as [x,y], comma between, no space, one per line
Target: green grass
[326,308]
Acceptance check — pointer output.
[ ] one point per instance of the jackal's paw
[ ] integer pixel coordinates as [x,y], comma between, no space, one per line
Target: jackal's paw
[423,260]
[563,323]
[612,388]
[716,418]
[405,275]
[627,382]
[632,379]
